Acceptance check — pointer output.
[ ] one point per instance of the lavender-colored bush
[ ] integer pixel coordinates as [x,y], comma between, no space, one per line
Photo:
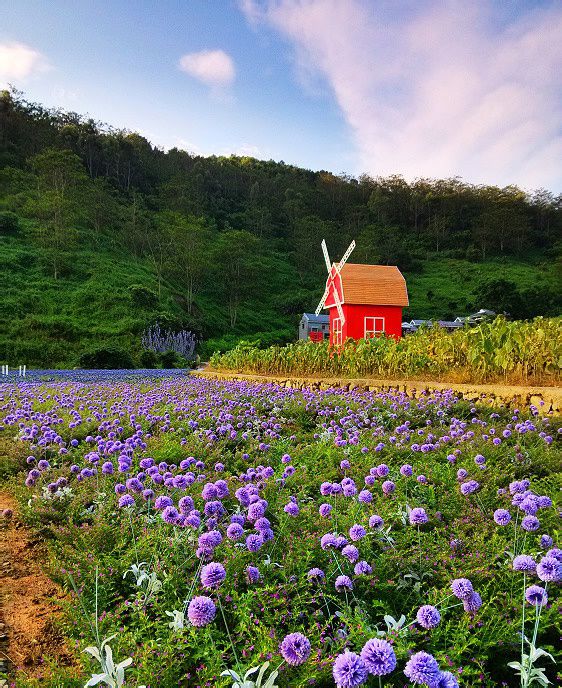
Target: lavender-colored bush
[161,342]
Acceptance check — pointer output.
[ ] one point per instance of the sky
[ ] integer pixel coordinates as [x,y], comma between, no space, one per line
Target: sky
[414,87]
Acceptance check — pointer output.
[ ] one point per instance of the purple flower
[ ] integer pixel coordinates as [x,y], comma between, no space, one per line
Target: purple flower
[469,487]
[126,500]
[362,568]
[549,569]
[292,509]
[212,575]
[201,611]
[555,552]
[428,616]
[502,517]
[253,574]
[406,470]
[376,522]
[530,523]
[315,575]
[170,515]
[326,489]
[473,603]
[349,670]
[423,668]
[462,588]
[351,553]
[295,649]
[328,540]
[388,487]
[325,510]
[365,497]
[536,595]
[418,516]
[254,542]
[343,582]
[447,680]
[356,532]
[378,656]
[382,470]
[523,562]
[546,541]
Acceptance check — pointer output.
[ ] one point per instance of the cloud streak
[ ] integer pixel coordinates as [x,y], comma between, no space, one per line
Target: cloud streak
[444,89]
[18,62]
[215,68]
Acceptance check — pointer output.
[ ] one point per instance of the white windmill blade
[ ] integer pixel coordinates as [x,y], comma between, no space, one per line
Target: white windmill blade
[346,255]
[326,256]
[322,301]
[338,306]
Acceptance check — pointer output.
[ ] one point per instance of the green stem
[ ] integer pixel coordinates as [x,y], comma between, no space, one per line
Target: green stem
[229,636]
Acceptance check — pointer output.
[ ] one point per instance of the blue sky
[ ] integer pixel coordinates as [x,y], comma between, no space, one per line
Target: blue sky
[420,88]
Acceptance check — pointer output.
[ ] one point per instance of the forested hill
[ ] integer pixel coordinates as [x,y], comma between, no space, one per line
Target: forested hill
[103,233]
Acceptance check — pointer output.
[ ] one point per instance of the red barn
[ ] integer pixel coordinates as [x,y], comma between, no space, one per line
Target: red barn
[364,300]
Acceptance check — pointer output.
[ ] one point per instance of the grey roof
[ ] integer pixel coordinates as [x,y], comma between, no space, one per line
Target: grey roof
[311,317]
[418,323]
[450,323]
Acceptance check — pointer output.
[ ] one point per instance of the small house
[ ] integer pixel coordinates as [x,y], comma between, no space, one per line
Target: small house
[314,327]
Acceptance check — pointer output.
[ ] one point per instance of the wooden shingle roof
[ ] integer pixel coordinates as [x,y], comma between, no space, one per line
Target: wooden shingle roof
[381,285]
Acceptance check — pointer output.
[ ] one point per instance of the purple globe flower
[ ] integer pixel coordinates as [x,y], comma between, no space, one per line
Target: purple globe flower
[170,515]
[546,541]
[126,500]
[254,542]
[349,670]
[253,574]
[365,497]
[201,611]
[378,656]
[212,575]
[502,517]
[292,509]
[388,487]
[325,510]
[351,553]
[549,569]
[447,680]
[382,470]
[362,568]
[536,595]
[555,552]
[418,516]
[376,522]
[356,532]
[315,575]
[530,523]
[234,531]
[428,616]
[462,588]
[422,668]
[295,649]
[469,487]
[328,540]
[343,582]
[523,562]
[473,603]
[406,470]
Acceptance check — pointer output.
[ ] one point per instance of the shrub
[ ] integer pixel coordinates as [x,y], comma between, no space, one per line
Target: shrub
[142,297]
[9,222]
[106,358]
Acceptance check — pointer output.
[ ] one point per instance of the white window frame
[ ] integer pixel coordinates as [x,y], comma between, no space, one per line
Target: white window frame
[370,328]
[338,331]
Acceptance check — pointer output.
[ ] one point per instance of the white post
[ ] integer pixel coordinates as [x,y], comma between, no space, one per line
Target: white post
[19,371]
[24,367]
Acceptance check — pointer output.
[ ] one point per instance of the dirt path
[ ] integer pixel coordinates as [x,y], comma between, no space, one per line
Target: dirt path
[28,602]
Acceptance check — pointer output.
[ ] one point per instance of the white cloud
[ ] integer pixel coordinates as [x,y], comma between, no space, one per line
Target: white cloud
[19,62]
[213,67]
[441,89]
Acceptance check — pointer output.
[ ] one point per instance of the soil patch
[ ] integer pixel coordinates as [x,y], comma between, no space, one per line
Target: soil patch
[29,611]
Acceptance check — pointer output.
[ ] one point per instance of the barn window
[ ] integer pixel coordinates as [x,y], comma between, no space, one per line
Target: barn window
[337,331]
[373,327]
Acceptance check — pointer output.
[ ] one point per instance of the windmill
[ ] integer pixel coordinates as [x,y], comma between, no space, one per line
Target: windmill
[333,283]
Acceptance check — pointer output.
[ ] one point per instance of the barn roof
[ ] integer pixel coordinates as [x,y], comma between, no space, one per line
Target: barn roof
[381,285]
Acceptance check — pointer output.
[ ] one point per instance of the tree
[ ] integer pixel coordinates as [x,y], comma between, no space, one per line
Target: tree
[499,295]
[57,204]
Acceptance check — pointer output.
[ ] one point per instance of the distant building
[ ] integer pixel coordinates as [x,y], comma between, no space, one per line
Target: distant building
[315,327]
[482,315]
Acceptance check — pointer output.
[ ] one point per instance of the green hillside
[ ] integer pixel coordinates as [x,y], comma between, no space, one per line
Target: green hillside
[102,234]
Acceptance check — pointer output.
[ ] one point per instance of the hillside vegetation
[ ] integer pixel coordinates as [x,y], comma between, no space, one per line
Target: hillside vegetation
[103,234]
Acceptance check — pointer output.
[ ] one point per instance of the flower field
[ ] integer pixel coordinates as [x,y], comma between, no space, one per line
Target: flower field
[498,351]
[206,529]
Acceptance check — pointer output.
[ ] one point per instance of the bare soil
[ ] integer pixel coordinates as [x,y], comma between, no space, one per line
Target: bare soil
[30,609]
